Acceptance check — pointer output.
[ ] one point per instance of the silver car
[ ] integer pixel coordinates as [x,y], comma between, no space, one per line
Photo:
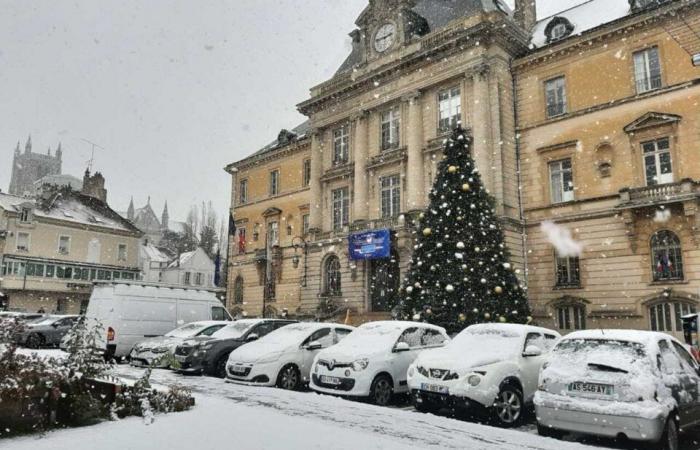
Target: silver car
[639,385]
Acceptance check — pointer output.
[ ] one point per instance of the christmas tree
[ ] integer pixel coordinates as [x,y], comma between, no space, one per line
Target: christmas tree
[460,273]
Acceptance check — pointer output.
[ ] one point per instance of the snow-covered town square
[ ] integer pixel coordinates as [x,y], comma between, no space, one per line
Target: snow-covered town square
[357,224]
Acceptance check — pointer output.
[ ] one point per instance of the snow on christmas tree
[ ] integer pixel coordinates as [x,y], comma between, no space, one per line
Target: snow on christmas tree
[460,273]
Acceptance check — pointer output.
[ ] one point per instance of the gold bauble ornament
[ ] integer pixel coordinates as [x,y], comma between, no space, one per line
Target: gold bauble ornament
[498,290]
[452,169]
[462,317]
[487,316]
[466,187]
[427,232]
[502,319]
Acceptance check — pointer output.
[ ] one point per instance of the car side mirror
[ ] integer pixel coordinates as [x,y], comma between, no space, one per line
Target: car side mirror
[315,345]
[531,351]
[252,337]
[401,347]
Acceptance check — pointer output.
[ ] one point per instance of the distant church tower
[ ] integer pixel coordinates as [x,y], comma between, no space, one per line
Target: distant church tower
[29,167]
[165,217]
[130,211]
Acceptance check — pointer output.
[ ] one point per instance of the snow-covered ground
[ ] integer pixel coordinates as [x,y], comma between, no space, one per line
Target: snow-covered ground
[243,417]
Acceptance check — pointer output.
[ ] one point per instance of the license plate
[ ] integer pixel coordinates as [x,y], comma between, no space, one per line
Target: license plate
[330,380]
[591,388]
[434,388]
[237,369]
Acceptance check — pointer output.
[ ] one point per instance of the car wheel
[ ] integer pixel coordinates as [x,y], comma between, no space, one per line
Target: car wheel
[508,407]
[289,378]
[220,367]
[34,340]
[670,439]
[546,431]
[381,391]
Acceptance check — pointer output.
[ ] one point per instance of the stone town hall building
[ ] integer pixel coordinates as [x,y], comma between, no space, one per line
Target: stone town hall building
[366,159]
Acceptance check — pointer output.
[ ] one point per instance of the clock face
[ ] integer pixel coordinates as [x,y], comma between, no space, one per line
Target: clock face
[384,38]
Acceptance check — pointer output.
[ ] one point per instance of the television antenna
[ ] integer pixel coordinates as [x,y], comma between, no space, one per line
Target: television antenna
[92,153]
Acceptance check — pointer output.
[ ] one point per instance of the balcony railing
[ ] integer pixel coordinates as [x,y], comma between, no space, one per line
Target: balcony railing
[659,194]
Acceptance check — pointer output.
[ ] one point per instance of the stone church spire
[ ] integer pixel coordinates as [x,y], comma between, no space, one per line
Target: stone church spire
[28,145]
[17,151]
[130,211]
[165,217]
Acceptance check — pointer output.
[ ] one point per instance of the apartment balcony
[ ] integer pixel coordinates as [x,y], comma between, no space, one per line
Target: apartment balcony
[686,190]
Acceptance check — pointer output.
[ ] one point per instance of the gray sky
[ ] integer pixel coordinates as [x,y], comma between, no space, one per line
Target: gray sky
[174,90]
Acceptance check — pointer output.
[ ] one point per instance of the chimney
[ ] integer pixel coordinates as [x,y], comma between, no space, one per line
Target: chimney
[525,14]
[94,186]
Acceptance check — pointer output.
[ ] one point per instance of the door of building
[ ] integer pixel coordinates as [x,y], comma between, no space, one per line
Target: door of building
[384,283]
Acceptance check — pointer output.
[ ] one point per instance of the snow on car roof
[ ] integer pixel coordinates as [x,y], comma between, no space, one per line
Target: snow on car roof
[516,328]
[638,336]
[398,325]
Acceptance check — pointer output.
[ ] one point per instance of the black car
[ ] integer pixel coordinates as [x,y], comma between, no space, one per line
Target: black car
[208,354]
[45,332]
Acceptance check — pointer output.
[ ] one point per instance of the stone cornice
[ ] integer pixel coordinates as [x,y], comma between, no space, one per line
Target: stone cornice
[299,145]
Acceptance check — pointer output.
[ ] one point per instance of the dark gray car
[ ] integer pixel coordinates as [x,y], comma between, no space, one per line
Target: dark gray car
[47,332]
[209,354]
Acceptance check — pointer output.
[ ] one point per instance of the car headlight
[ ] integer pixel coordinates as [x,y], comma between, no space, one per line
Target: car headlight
[423,371]
[474,380]
[272,357]
[360,364]
[411,371]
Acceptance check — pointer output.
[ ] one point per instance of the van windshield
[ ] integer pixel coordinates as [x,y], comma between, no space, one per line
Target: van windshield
[233,331]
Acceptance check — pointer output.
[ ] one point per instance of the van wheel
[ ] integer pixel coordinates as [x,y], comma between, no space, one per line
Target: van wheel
[289,378]
[670,440]
[34,340]
[545,431]
[508,406]
[381,391]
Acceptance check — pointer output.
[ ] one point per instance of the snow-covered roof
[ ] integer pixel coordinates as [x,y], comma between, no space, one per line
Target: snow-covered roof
[514,328]
[584,17]
[638,336]
[69,206]
[60,180]
[184,259]
[177,227]
[152,253]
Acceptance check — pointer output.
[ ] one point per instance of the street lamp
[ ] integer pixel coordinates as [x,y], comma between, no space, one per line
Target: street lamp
[297,243]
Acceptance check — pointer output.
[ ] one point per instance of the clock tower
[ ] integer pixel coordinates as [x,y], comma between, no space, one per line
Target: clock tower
[388,24]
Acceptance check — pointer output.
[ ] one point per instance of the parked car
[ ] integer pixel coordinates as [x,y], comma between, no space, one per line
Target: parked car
[372,361]
[641,385]
[209,354]
[22,317]
[284,357]
[487,368]
[131,312]
[47,332]
[152,352]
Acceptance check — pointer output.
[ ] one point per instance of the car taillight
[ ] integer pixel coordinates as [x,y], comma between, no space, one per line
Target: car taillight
[110,334]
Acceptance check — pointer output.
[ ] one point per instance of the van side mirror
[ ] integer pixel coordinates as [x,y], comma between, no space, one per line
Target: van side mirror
[252,337]
[531,351]
[315,345]
[401,347]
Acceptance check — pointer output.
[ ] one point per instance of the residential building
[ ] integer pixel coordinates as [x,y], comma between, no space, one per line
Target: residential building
[267,262]
[56,245]
[189,269]
[607,103]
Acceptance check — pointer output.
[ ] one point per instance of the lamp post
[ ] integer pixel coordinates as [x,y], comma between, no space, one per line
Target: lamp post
[297,243]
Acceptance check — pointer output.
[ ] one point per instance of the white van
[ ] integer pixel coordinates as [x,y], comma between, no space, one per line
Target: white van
[131,312]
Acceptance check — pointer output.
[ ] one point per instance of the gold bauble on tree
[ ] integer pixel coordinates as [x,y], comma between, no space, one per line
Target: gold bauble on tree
[452,169]
[498,290]
[427,232]
[462,317]
[466,187]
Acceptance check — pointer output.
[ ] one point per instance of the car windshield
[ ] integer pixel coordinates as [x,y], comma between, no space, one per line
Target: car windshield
[602,354]
[479,339]
[289,334]
[189,330]
[234,331]
[46,321]
[373,335]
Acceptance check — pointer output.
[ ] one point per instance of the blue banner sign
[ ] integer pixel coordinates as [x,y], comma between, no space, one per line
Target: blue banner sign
[370,245]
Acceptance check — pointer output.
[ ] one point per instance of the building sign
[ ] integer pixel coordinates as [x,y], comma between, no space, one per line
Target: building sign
[370,245]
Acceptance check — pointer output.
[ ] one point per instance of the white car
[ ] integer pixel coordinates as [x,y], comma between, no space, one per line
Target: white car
[372,361]
[491,368]
[152,352]
[284,357]
[638,385]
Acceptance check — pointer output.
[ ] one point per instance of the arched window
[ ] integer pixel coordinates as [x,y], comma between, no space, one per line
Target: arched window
[238,290]
[666,256]
[331,276]
[667,316]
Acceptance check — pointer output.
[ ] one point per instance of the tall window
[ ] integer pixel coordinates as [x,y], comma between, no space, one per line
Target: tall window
[568,272]
[274,182]
[187,277]
[341,208]
[273,233]
[238,290]
[63,245]
[657,162]
[667,316]
[241,240]
[341,145]
[647,70]
[305,223]
[243,192]
[571,317]
[332,276]
[199,279]
[23,242]
[306,172]
[121,252]
[391,196]
[25,215]
[449,109]
[555,92]
[391,124]
[667,259]
[561,181]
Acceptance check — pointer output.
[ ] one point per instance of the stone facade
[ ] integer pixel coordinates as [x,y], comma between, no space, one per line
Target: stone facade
[28,167]
[612,116]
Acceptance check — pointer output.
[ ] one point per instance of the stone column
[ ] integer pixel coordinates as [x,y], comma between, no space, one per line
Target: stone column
[360,201]
[315,182]
[415,184]
[481,126]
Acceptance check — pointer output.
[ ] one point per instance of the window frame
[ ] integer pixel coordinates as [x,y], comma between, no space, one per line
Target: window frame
[672,251]
[122,252]
[390,128]
[670,311]
[305,223]
[241,244]
[243,191]
[274,183]
[340,208]
[572,266]
[332,276]
[392,206]
[560,97]
[238,290]
[453,109]
[273,233]
[651,81]
[28,245]
[341,145]
[657,153]
[59,250]
[306,172]
[562,171]
[571,317]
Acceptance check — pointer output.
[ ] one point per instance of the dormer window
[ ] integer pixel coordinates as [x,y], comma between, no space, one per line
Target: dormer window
[25,215]
[558,28]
